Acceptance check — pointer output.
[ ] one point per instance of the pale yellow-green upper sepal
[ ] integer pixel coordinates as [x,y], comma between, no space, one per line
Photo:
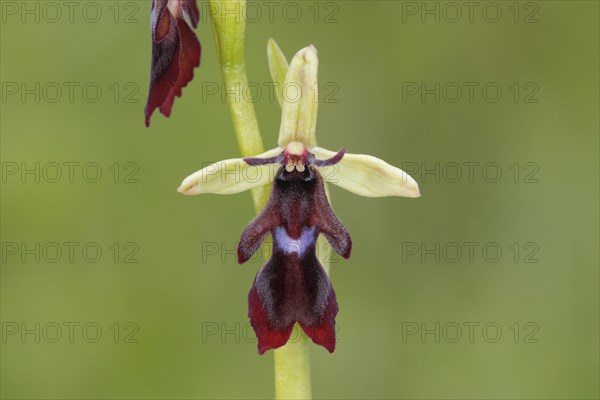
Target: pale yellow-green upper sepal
[300,100]
[367,175]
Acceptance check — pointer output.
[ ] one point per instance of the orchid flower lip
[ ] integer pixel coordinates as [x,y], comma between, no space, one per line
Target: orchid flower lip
[292,287]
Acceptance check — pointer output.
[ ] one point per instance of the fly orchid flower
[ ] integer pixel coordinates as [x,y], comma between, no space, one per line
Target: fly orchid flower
[175,52]
[293,286]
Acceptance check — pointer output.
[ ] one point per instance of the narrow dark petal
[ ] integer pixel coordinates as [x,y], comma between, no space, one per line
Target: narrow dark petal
[175,53]
[262,161]
[330,161]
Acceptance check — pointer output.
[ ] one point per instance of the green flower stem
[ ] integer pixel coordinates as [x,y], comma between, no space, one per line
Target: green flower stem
[292,364]
[292,361]
[292,368]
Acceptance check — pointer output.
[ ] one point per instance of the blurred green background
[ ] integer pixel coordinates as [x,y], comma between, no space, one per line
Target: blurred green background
[174,325]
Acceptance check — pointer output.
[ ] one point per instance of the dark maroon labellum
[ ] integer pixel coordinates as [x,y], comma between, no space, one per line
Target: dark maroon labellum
[293,286]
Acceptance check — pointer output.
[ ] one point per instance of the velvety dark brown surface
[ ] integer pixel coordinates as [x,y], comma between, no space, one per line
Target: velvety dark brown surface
[292,286]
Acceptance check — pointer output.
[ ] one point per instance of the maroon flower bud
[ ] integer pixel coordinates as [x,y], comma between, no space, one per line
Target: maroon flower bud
[175,53]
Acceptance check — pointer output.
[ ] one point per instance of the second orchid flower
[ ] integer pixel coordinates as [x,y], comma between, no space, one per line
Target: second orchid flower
[175,53]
